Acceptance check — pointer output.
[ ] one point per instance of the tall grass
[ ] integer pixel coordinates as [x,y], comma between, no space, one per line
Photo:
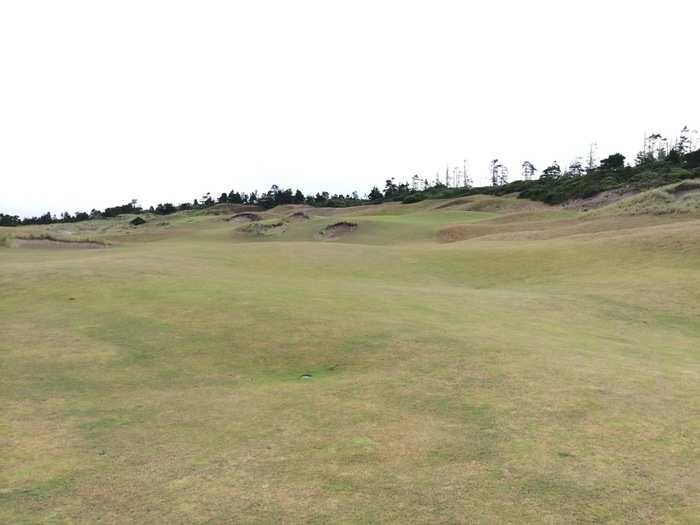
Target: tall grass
[54,238]
[680,198]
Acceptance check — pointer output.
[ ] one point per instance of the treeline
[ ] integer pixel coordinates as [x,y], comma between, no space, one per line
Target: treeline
[656,165]
[275,196]
[644,175]
[47,218]
[556,186]
[66,217]
[661,161]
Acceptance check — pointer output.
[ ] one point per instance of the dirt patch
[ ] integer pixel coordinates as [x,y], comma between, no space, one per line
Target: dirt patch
[265,228]
[339,229]
[298,216]
[245,217]
[52,243]
[686,187]
[598,201]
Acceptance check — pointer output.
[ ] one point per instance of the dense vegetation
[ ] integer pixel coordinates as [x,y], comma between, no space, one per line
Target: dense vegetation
[567,187]
[556,187]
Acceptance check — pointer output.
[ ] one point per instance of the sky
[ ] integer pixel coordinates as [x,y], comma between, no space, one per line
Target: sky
[105,101]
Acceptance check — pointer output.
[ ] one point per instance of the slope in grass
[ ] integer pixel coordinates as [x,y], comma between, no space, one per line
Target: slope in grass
[681,198]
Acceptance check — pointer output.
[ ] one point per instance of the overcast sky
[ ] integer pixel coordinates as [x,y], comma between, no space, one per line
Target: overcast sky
[104,101]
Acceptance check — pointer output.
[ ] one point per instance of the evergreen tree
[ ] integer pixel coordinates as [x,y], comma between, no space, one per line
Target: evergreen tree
[613,162]
[552,172]
[375,194]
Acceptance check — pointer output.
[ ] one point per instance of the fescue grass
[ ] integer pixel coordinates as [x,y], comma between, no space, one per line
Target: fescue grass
[55,238]
[682,198]
[549,374]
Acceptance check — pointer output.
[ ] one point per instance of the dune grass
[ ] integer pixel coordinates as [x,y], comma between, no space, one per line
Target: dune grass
[682,198]
[520,380]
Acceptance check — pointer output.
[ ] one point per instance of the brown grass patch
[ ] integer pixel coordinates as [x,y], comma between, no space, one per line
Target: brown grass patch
[544,230]
[46,241]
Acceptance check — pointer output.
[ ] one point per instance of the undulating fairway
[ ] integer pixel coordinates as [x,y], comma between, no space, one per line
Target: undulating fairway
[431,365]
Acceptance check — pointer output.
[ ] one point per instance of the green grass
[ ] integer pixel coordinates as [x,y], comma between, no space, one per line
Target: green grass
[547,372]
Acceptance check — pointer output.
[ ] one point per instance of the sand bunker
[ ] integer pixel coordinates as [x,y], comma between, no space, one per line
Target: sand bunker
[339,229]
[49,243]
[245,217]
[298,216]
[599,200]
[265,228]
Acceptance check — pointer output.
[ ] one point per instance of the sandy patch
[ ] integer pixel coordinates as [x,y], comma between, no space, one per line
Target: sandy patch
[599,200]
[55,244]
[245,217]
[265,228]
[337,230]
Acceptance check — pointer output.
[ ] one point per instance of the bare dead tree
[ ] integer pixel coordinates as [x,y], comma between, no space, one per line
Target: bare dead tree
[502,176]
[494,172]
[467,178]
[528,170]
[499,173]
[415,180]
[591,161]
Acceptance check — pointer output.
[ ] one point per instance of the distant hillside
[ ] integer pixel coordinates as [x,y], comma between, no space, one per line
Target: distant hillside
[575,187]
[569,187]
[680,198]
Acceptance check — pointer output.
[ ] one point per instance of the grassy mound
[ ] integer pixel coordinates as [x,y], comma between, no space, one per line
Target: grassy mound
[493,204]
[226,208]
[681,198]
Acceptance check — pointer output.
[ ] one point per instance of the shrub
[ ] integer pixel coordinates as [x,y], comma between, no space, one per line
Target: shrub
[412,198]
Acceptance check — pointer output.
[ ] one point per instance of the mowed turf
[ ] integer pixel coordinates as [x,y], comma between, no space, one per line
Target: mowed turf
[544,370]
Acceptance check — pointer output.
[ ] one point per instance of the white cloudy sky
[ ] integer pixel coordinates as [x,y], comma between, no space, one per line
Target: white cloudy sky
[104,101]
